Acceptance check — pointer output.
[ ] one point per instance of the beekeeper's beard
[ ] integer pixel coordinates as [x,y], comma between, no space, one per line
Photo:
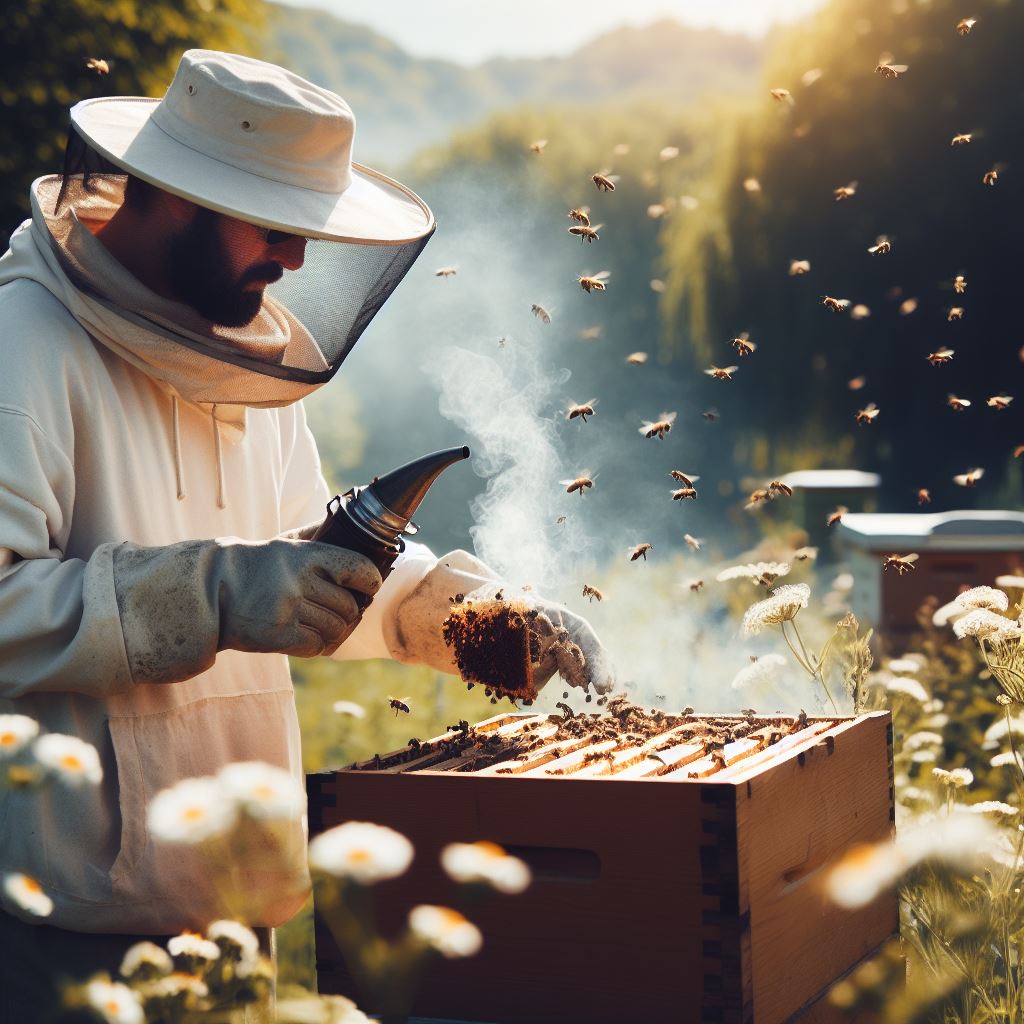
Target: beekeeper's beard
[197,269]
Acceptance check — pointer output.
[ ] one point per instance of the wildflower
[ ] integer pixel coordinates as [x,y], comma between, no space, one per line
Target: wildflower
[192,947]
[184,990]
[982,597]
[192,811]
[990,807]
[758,673]
[115,1002]
[487,863]
[1000,729]
[72,760]
[917,740]
[16,731]
[904,665]
[761,572]
[957,778]
[234,938]
[1004,760]
[361,851]
[145,961]
[27,893]
[445,930]
[983,624]
[908,687]
[350,708]
[1011,581]
[780,606]
[262,790]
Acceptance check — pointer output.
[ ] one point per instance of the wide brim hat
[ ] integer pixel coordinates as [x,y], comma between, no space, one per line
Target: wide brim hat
[255,141]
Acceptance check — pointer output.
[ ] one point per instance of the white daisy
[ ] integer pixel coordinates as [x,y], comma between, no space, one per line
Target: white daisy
[485,862]
[359,850]
[146,960]
[191,811]
[27,893]
[114,1002]
[263,790]
[759,673]
[350,708]
[982,597]
[232,935]
[445,930]
[70,759]
[16,732]
[193,947]
[780,606]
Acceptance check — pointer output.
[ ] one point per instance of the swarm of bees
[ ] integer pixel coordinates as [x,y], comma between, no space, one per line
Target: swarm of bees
[540,313]
[593,593]
[721,372]
[593,282]
[660,427]
[605,181]
[901,563]
[743,345]
[446,271]
[640,551]
[582,410]
[940,357]
[868,414]
[578,484]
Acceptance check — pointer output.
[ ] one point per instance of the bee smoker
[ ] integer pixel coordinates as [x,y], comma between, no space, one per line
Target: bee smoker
[371,519]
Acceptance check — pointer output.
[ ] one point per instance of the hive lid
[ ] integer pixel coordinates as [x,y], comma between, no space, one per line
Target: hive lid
[962,530]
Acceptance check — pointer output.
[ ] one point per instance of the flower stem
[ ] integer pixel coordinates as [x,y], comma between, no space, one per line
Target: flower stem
[817,669]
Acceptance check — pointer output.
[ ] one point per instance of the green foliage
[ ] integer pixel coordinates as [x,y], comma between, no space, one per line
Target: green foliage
[45,46]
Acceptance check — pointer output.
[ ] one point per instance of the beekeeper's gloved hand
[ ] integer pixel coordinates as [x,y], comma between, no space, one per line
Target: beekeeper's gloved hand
[568,644]
[182,603]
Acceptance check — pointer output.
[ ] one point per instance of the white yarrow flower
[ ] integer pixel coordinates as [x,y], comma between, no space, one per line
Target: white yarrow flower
[362,851]
[115,1002]
[982,597]
[145,959]
[235,935]
[27,893]
[924,738]
[191,811]
[1004,760]
[263,790]
[908,687]
[781,605]
[990,807]
[958,778]
[903,666]
[193,946]
[350,708]
[754,571]
[759,673]
[445,930]
[16,732]
[72,760]
[983,624]
[1012,581]
[485,862]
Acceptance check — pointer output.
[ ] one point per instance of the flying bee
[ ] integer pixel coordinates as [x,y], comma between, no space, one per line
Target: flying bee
[640,551]
[868,413]
[860,312]
[636,358]
[836,305]
[805,553]
[881,247]
[999,401]
[593,593]
[990,177]
[668,153]
[811,76]
[743,345]
[856,383]
[959,284]
[591,333]
[399,705]
[99,65]
[541,313]
[721,372]
[797,267]
[580,214]
[778,487]
[887,69]
[751,185]
[586,232]
[683,493]
[834,517]
[692,542]
[957,404]
[901,563]
[1018,451]
[604,181]
[446,271]
[538,146]
[578,483]
[695,585]
[757,496]
[560,520]
[845,191]
[960,140]
[924,496]
[710,415]
[583,411]
[660,427]
[686,479]
[907,306]
[970,478]
[656,210]
[782,95]
[594,282]
[940,357]
[964,25]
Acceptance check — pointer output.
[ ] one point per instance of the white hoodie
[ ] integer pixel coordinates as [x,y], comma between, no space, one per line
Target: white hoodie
[96,449]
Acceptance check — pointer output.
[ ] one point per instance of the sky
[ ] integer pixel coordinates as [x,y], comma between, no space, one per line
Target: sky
[471,31]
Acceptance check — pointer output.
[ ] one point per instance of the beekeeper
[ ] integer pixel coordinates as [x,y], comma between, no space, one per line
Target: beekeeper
[205,262]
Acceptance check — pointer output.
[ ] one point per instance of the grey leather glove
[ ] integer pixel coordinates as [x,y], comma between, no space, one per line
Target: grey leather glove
[182,603]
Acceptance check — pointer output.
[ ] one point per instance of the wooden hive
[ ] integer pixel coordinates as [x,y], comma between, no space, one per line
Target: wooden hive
[684,887]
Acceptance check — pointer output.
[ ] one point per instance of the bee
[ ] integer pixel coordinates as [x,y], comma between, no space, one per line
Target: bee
[604,181]
[999,401]
[881,247]
[695,585]
[668,153]
[656,210]
[751,185]
[636,358]
[692,542]
[446,271]
[579,483]
[961,139]
[805,553]
[658,428]
[901,563]
[859,312]
[591,333]
[686,479]
[580,214]
[810,77]
[595,282]
[1018,451]
[924,496]
[868,413]
[593,593]
[560,520]
[586,232]
[502,341]
[836,305]
[538,146]
[721,372]
[887,69]
[640,551]
[399,705]
[684,492]
[845,191]
[743,345]
[541,313]
[964,25]
[834,517]
[957,404]
[657,285]
[907,306]
[940,357]
[583,411]
[990,177]
[856,383]
[970,478]
[710,415]
[778,487]
[959,284]
[797,267]
[782,95]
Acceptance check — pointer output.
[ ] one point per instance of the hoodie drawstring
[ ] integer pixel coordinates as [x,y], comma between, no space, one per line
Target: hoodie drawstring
[179,472]
[220,460]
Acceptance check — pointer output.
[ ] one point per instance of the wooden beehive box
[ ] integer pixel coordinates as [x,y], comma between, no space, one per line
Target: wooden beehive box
[684,887]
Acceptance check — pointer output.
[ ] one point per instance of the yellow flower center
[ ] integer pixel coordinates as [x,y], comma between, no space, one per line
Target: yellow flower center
[490,849]
[263,792]
[360,856]
[193,814]
[31,885]
[7,739]
[71,762]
